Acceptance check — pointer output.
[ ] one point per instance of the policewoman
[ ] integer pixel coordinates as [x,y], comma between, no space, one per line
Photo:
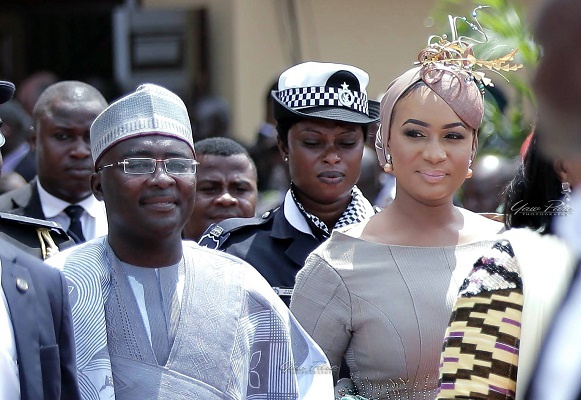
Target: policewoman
[323,115]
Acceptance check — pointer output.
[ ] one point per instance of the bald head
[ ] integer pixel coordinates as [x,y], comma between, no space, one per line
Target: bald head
[62,117]
[66,92]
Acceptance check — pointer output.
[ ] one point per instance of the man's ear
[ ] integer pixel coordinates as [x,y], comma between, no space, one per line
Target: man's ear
[32,138]
[96,186]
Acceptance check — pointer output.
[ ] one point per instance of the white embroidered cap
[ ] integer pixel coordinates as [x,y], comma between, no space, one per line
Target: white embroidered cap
[150,110]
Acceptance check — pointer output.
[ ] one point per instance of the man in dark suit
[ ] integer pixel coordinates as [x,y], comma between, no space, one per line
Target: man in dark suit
[557,84]
[36,236]
[37,356]
[36,330]
[62,193]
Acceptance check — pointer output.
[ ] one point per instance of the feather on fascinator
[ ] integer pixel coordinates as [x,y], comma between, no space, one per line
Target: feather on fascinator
[450,69]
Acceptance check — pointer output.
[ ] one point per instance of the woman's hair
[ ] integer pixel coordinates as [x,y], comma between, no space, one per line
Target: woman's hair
[283,127]
[408,92]
[535,185]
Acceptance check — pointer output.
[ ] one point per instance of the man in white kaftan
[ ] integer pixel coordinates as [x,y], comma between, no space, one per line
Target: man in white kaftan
[235,339]
[156,317]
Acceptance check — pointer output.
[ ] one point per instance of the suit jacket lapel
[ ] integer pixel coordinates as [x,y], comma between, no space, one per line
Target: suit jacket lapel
[26,200]
[33,208]
[301,244]
[21,304]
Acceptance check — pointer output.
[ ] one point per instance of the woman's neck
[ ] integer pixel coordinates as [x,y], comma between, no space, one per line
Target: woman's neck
[425,215]
[412,223]
[328,213]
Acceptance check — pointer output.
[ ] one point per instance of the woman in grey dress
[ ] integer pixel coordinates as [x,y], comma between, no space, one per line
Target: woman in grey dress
[381,292]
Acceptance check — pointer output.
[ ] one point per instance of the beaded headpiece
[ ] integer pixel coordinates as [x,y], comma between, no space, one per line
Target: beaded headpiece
[451,70]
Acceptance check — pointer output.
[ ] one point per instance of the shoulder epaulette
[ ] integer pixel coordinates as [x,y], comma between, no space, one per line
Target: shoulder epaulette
[33,222]
[217,234]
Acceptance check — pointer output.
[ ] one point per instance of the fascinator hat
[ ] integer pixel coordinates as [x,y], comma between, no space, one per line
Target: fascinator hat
[150,110]
[327,91]
[450,69]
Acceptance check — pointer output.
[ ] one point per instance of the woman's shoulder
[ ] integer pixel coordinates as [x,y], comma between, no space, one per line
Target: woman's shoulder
[343,241]
[342,238]
[234,230]
[353,230]
[479,226]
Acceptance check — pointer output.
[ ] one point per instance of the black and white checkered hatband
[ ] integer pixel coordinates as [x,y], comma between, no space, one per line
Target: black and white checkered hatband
[321,96]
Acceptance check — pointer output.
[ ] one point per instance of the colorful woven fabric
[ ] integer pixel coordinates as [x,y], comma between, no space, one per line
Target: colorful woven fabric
[480,354]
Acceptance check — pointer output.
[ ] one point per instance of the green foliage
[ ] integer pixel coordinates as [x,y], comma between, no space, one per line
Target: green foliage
[502,132]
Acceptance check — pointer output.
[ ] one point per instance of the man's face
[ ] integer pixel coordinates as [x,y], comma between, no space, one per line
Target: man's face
[63,154]
[145,207]
[226,188]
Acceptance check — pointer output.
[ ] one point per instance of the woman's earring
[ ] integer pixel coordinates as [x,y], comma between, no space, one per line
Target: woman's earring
[286,159]
[469,173]
[388,167]
[566,191]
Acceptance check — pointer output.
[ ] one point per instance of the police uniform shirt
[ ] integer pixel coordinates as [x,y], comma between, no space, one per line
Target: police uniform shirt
[250,239]
[9,377]
[93,220]
[294,216]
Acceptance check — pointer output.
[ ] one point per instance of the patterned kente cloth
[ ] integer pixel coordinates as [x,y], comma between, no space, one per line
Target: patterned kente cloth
[235,338]
[480,355]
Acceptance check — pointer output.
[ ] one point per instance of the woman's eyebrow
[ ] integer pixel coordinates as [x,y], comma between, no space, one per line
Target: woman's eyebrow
[416,121]
[454,124]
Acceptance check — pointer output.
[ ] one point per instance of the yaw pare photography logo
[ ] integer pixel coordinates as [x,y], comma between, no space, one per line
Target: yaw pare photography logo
[552,208]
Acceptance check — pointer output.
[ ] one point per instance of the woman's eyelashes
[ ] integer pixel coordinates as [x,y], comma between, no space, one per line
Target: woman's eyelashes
[415,133]
[454,136]
[344,143]
[310,143]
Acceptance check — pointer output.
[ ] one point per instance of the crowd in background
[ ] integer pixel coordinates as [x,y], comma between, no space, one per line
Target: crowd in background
[355,250]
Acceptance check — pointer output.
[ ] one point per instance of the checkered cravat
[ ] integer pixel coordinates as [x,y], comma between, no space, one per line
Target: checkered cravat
[75,228]
[359,209]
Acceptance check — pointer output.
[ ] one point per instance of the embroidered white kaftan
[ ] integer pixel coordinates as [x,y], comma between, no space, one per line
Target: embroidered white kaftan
[235,338]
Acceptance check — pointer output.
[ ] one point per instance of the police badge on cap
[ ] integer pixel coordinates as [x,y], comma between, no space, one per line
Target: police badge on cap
[327,91]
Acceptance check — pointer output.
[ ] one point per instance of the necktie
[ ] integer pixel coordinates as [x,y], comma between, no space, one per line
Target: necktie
[75,228]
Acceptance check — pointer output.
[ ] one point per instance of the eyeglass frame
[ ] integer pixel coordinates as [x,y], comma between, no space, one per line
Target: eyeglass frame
[124,162]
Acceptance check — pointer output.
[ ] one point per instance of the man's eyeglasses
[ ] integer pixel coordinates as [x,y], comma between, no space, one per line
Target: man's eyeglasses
[140,166]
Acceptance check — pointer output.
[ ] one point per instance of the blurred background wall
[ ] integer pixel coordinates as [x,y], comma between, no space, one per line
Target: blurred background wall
[232,49]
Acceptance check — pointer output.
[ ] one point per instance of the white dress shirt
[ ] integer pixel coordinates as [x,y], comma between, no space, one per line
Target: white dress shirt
[93,220]
[294,216]
[9,378]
